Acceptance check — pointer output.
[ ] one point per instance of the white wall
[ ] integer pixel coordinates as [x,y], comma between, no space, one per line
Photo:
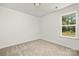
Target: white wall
[51,25]
[17,27]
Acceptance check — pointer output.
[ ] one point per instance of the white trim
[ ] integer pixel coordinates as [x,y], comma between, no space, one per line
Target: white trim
[69,25]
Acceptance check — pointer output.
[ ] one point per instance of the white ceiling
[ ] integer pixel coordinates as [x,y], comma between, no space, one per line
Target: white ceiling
[29,8]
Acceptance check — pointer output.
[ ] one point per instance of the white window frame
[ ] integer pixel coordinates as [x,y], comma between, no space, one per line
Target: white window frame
[69,25]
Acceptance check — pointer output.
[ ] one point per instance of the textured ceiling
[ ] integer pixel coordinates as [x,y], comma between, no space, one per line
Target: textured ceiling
[29,8]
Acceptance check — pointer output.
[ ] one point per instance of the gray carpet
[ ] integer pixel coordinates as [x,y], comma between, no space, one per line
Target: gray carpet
[38,48]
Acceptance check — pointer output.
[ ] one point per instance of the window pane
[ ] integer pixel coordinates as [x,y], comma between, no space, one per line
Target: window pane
[68,31]
[69,19]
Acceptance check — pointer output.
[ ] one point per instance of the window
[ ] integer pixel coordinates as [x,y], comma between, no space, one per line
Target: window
[69,25]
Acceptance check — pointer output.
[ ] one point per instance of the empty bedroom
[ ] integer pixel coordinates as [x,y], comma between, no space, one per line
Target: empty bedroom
[39,29]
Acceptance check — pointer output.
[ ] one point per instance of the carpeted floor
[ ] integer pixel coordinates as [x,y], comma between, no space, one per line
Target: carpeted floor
[37,48]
